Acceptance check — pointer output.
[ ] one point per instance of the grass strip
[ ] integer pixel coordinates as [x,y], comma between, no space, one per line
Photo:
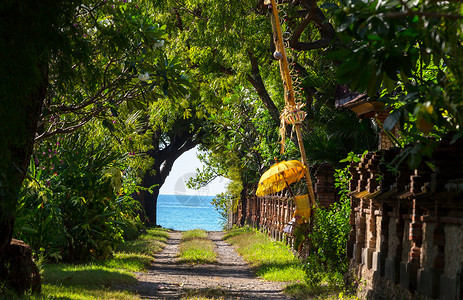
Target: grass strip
[196,248]
[271,260]
[94,280]
[195,233]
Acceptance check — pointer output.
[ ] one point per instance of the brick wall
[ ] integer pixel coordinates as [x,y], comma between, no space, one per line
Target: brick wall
[407,228]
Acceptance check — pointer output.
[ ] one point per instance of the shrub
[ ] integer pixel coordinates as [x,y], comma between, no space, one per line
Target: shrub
[72,204]
[329,234]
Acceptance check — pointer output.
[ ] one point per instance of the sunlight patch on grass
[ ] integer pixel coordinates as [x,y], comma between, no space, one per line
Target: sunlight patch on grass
[134,262]
[89,275]
[272,260]
[196,249]
[302,291]
[288,273]
[137,255]
[73,292]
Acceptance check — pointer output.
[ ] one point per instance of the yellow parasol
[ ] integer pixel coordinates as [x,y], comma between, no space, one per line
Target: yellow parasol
[279,176]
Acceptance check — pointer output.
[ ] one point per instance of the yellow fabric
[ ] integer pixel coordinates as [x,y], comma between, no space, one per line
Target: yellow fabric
[303,208]
[279,176]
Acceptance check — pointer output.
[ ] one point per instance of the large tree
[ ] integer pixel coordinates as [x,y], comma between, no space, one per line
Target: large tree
[66,63]
[29,33]
[166,148]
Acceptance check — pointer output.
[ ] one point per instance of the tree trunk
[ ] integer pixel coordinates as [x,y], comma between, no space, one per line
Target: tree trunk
[150,200]
[181,140]
[19,119]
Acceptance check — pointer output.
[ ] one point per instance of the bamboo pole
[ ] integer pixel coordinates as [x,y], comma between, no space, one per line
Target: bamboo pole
[284,66]
[289,92]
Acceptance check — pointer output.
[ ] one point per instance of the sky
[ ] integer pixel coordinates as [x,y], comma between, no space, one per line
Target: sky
[184,168]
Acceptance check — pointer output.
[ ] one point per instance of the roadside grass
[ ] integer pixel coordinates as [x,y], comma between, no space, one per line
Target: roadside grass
[97,280]
[324,290]
[274,261]
[196,248]
[89,281]
[271,260]
[137,255]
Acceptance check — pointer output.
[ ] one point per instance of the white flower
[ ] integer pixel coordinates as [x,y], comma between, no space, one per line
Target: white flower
[106,22]
[144,77]
[159,44]
[91,32]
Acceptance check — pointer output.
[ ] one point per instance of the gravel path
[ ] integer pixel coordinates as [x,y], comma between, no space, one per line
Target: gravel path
[229,278]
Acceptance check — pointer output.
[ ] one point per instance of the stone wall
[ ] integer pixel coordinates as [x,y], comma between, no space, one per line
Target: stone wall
[406,240]
[324,190]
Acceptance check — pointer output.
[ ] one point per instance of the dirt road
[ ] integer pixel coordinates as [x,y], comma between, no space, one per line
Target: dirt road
[229,278]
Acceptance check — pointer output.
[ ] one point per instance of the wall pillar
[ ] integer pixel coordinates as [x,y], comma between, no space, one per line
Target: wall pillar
[325,191]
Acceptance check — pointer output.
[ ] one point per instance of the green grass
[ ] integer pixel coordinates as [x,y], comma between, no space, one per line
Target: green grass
[94,280]
[195,248]
[149,243]
[73,292]
[195,233]
[137,255]
[324,291]
[275,261]
[88,275]
[271,260]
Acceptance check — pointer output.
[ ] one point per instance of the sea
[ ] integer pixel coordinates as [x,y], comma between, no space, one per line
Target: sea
[186,212]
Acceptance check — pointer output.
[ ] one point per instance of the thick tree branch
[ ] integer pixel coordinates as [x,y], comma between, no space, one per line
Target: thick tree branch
[326,30]
[256,80]
[174,155]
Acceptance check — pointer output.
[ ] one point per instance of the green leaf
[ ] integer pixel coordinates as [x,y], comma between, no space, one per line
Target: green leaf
[139,105]
[338,54]
[347,68]
[107,124]
[373,37]
[114,112]
[347,22]
[374,83]
[29,230]
[329,5]
[392,120]
[389,84]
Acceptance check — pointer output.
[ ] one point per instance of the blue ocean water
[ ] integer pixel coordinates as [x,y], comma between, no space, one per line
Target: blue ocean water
[185,212]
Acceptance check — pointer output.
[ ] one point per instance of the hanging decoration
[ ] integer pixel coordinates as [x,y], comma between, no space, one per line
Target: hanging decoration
[291,115]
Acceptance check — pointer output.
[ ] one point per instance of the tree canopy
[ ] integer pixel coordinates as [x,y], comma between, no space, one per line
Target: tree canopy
[135,84]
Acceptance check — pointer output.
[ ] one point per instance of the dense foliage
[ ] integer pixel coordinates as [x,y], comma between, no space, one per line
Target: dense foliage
[242,93]
[76,200]
[407,55]
[105,66]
